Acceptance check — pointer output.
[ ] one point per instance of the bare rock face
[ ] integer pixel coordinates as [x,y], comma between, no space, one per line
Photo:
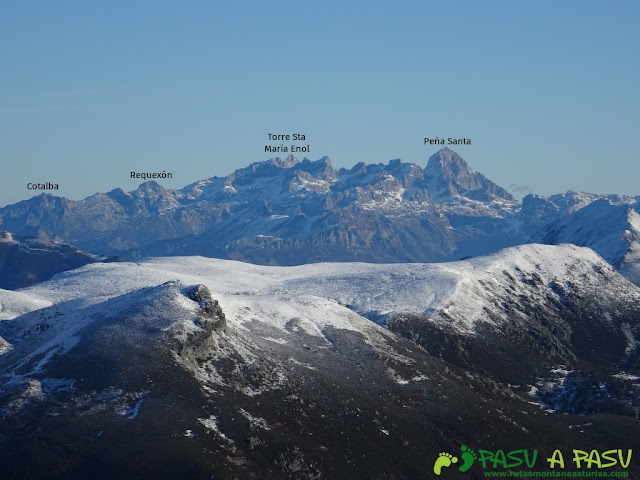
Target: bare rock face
[213,318]
[448,174]
[199,293]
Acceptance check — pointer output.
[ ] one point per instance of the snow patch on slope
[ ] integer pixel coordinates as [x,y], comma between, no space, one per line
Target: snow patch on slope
[13,304]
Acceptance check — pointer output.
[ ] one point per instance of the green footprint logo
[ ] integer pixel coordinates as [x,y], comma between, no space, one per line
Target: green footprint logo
[468,457]
[444,460]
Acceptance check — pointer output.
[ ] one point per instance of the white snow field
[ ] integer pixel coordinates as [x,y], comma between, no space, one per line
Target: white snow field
[322,294]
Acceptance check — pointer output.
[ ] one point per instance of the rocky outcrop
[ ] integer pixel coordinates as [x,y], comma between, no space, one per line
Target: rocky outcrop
[208,309]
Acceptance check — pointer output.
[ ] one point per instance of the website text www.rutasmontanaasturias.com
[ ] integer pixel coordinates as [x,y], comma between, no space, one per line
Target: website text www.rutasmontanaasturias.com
[558,474]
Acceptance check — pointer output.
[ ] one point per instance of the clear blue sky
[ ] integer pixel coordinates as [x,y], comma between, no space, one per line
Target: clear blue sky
[89,91]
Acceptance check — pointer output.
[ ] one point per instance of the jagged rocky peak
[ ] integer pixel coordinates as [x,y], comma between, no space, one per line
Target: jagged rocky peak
[208,308]
[315,176]
[283,168]
[267,168]
[322,168]
[119,195]
[150,187]
[149,199]
[325,161]
[447,163]
[448,174]
[359,167]
[288,162]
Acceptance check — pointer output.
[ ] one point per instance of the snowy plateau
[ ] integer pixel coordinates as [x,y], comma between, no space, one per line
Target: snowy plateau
[288,322]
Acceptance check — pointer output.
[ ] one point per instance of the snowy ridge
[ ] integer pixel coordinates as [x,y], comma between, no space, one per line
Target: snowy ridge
[14,304]
[462,290]
[611,228]
[60,327]
[606,228]
[571,201]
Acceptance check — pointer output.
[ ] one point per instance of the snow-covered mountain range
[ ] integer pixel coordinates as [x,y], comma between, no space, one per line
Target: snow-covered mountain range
[189,366]
[291,212]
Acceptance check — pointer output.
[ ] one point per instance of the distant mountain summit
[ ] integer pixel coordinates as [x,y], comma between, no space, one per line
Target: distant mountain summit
[448,174]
